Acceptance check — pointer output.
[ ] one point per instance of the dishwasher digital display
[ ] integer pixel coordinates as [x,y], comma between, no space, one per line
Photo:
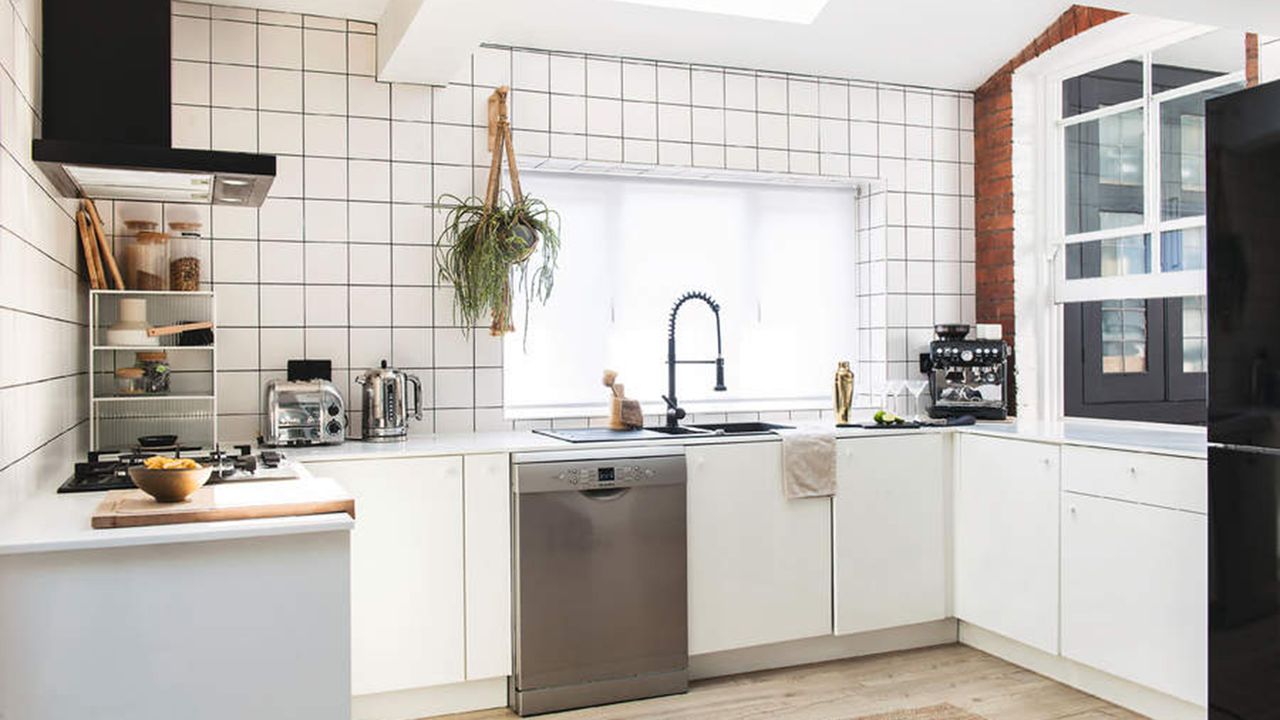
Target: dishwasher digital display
[604,475]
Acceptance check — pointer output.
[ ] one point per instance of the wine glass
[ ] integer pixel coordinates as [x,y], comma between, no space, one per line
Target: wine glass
[916,387]
[893,387]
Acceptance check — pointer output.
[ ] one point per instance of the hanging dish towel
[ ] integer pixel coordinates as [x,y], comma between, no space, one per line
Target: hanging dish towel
[808,463]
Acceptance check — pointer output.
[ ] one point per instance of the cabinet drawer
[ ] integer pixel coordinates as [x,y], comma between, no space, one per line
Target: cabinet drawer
[1172,482]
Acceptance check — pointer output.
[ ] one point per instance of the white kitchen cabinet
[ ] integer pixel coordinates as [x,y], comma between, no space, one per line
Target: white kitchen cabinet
[891,528]
[407,602]
[1178,483]
[759,564]
[1134,589]
[487,551]
[1006,538]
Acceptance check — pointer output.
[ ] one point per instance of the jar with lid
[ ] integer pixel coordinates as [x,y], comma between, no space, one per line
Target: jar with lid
[130,381]
[146,258]
[155,371]
[186,251]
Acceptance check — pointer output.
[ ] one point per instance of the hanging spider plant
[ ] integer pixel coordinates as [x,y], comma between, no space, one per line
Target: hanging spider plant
[486,247]
[488,244]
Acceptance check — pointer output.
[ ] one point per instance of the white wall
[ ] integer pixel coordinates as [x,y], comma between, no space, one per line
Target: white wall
[1269,60]
[339,263]
[42,299]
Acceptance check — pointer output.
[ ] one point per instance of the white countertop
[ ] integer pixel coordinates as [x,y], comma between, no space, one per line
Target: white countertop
[50,521]
[1159,439]
[1187,441]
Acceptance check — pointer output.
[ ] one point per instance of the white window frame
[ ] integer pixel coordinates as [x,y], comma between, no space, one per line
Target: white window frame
[1038,155]
[1156,283]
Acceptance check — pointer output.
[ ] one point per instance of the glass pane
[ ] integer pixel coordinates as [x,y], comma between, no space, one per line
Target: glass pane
[1129,255]
[1124,336]
[1195,335]
[1104,87]
[1182,153]
[1104,173]
[1182,249]
[1211,55]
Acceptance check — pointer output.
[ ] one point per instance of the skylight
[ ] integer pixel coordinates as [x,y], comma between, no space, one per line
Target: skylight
[793,11]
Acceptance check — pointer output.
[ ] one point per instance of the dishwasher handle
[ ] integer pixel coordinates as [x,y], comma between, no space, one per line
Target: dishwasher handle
[605,494]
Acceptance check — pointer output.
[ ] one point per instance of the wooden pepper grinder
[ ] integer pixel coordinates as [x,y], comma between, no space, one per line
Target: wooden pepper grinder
[624,414]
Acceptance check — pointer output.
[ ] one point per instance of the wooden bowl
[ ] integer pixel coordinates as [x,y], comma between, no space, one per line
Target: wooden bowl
[168,486]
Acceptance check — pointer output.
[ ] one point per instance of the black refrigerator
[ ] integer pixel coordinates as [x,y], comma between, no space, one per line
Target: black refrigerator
[1243,146]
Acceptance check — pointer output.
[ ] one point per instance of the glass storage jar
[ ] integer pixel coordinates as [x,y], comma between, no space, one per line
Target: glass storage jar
[186,251]
[155,371]
[146,261]
[130,381]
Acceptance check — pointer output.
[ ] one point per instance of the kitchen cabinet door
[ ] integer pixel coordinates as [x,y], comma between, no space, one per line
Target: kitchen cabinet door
[1006,538]
[487,498]
[407,617]
[1134,593]
[891,526]
[759,564]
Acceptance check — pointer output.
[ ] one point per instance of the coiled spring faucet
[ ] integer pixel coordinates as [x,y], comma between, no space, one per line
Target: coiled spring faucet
[674,412]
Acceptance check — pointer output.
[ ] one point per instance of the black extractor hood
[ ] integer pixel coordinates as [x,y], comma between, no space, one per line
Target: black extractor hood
[106,112]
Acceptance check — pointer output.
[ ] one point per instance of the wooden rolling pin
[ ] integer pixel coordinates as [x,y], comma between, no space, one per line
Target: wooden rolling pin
[175,329]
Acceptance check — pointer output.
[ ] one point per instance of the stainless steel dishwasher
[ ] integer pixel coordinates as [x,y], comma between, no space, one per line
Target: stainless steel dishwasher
[601,602]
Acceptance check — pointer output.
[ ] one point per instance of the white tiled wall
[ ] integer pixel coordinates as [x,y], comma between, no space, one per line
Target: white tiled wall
[42,299]
[338,262]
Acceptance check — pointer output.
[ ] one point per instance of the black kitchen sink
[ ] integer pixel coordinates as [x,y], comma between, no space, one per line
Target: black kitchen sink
[677,430]
[740,428]
[588,435]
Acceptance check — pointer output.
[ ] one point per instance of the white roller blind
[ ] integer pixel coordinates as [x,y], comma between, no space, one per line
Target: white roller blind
[778,259]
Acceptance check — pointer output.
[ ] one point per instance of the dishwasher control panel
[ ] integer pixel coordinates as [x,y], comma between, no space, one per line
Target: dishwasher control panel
[604,476]
[564,472]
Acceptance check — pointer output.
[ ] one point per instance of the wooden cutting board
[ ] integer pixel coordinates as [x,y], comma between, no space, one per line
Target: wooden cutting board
[230,501]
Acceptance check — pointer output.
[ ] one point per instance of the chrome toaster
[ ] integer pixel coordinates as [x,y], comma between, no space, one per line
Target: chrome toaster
[309,412]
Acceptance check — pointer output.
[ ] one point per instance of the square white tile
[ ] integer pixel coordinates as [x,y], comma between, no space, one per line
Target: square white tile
[325,135]
[639,81]
[280,90]
[674,84]
[370,138]
[279,47]
[324,50]
[282,305]
[370,264]
[326,305]
[234,42]
[604,78]
[370,306]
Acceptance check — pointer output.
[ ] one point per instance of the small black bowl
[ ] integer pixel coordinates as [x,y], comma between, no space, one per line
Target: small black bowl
[154,441]
[951,331]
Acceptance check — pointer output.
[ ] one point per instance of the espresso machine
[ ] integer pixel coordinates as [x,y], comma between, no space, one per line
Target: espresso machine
[966,377]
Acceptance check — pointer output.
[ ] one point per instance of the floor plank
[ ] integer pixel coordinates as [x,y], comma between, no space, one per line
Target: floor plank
[847,689]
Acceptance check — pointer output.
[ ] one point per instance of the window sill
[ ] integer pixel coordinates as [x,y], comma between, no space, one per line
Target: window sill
[693,407]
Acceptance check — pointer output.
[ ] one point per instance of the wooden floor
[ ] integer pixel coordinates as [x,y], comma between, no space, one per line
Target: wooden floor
[846,689]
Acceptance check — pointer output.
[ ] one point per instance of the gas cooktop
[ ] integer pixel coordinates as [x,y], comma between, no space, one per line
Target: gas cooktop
[110,470]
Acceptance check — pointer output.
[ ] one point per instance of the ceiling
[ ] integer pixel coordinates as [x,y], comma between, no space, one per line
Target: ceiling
[935,43]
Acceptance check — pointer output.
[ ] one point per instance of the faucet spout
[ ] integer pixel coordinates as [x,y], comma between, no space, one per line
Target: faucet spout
[674,412]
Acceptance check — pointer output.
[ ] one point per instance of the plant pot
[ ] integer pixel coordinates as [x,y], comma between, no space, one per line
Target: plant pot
[525,237]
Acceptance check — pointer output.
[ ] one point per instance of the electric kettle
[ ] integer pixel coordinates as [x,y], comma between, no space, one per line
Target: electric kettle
[386,410]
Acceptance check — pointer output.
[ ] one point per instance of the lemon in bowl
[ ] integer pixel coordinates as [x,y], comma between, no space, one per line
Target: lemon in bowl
[170,480]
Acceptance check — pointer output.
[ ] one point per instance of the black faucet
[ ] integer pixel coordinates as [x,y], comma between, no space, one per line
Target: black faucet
[674,412]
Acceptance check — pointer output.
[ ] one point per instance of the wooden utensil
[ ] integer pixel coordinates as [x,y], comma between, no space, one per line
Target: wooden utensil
[179,328]
[108,257]
[88,245]
[229,501]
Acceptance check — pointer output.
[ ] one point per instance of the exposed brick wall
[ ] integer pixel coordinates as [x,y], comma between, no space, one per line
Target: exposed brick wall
[1251,59]
[993,171]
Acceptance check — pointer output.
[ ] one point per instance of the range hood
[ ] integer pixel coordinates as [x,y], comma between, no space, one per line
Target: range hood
[106,112]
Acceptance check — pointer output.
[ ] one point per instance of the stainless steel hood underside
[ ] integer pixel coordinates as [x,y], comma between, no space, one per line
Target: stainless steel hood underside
[161,174]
